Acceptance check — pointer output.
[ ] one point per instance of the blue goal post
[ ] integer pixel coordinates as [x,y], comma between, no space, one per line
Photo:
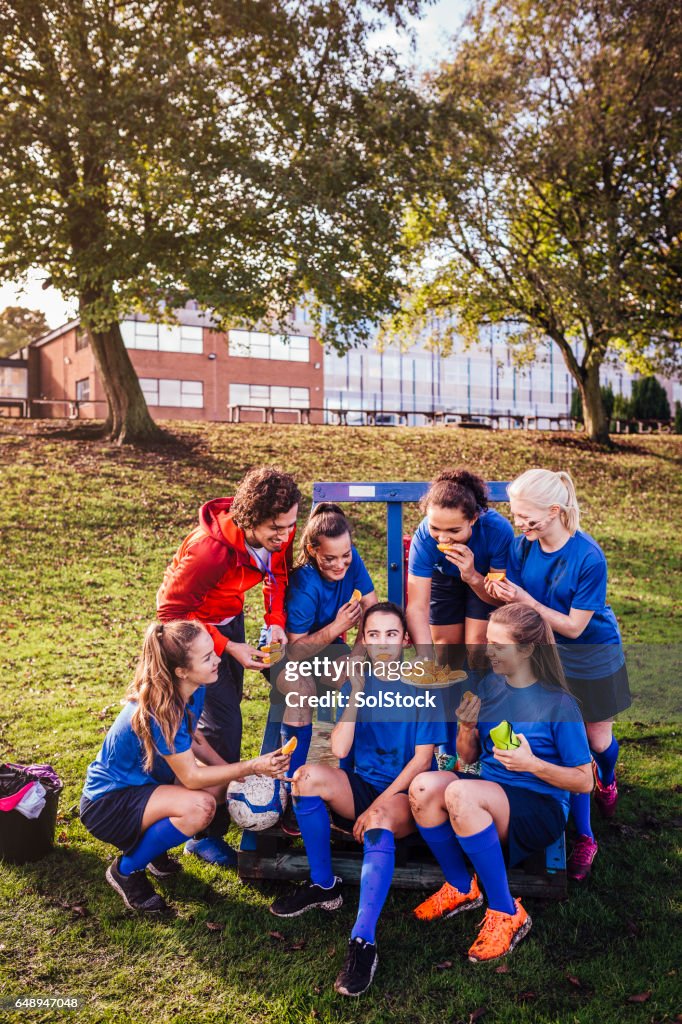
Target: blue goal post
[394,496]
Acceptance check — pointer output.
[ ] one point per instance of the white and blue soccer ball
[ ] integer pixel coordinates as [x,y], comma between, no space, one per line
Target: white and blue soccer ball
[256,803]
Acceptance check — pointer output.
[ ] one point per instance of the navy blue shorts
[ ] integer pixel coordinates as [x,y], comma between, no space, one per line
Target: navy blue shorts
[453,601]
[601,699]
[536,820]
[364,795]
[116,817]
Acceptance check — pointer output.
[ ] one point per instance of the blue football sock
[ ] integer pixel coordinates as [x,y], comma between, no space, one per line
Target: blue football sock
[580,809]
[443,843]
[485,853]
[158,838]
[313,821]
[304,734]
[375,881]
[606,762]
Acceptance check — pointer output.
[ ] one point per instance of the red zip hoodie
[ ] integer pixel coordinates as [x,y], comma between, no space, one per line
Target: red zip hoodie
[212,570]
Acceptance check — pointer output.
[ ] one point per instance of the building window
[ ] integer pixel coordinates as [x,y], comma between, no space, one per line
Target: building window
[183,338]
[83,390]
[13,382]
[180,394]
[82,340]
[262,394]
[293,348]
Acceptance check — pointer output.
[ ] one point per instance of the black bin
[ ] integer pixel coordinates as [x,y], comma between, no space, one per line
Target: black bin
[23,840]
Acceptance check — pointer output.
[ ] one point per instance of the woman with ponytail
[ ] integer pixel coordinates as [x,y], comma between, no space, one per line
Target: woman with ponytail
[457,543]
[145,792]
[320,610]
[528,733]
[560,571]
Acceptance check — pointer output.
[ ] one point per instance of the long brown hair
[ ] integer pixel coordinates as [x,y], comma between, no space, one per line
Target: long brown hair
[457,488]
[155,684]
[528,628]
[326,520]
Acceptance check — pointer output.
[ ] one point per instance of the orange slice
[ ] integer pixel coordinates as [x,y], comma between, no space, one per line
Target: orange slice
[497,577]
[289,747]
[356,595]
[467,694]
[444,547]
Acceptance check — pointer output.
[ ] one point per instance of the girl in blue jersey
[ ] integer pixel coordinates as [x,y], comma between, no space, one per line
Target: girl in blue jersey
[561,572]
[145,792]
[447,600]
[520,802]
[391,746]
[320,609]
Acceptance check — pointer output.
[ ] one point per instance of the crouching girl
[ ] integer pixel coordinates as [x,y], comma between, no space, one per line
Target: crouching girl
[528,732]
[391,746]
[145,793]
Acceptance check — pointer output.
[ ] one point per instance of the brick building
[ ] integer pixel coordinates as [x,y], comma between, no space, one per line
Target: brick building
[187,371]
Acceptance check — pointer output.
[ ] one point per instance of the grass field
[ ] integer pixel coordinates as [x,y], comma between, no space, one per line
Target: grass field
[86,533]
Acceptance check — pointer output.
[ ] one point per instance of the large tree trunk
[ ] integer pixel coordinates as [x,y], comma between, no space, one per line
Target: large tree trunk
[129,420]
[594,414]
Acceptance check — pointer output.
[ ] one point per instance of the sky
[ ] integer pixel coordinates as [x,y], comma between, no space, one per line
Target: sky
[440,20]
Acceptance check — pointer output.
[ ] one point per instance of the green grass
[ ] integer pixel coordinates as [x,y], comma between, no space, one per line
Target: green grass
[86,533]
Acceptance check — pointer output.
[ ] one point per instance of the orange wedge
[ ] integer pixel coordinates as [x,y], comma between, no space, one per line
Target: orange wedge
[496,577]
[289,747]
[467,694]
[356,595]
[444,547]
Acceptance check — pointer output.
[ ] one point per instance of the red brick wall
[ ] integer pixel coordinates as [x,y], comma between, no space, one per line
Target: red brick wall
[56,377]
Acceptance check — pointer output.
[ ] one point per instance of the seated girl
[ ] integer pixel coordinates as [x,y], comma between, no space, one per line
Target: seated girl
[458,541]
[528,768]
[391,747]
[145,793]
[321,609]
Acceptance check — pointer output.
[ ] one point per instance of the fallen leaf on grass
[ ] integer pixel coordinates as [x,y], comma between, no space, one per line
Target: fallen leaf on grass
[576,982]
[295,946]
[79,910]
[278,936]
[633,929]
[476,1014]
[526,997]
[445,965]
[641,997]
[502,969]
[214,926]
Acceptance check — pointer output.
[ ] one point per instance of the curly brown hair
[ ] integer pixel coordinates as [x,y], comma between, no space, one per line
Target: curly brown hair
[263,494]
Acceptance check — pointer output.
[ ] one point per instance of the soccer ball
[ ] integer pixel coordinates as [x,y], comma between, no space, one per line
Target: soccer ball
[256,803]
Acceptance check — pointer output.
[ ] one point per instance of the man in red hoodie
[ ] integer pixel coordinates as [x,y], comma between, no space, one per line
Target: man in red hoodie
[238,543]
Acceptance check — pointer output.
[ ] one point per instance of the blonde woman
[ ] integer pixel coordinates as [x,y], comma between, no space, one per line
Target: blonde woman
[145,793]
[560,571]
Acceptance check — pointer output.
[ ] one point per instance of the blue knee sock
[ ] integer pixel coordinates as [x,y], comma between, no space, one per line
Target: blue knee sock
[375,881]
[158,838]
[443,843]
[485,853]
[313,821]
[606,762]
[580,809]
[303,734]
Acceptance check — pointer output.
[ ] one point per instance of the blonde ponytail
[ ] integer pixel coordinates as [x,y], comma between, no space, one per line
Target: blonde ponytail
[544,488]
[155,686]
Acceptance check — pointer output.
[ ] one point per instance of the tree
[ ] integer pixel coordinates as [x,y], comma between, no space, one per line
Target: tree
[551,199]
[649,400]
[608,400]
[20,326]
[241,153]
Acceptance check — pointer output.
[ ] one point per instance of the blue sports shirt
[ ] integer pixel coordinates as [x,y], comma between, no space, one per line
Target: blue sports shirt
[490,538]
[313,602]
[551,721]
[119,763]
[386,738]
[573,577]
